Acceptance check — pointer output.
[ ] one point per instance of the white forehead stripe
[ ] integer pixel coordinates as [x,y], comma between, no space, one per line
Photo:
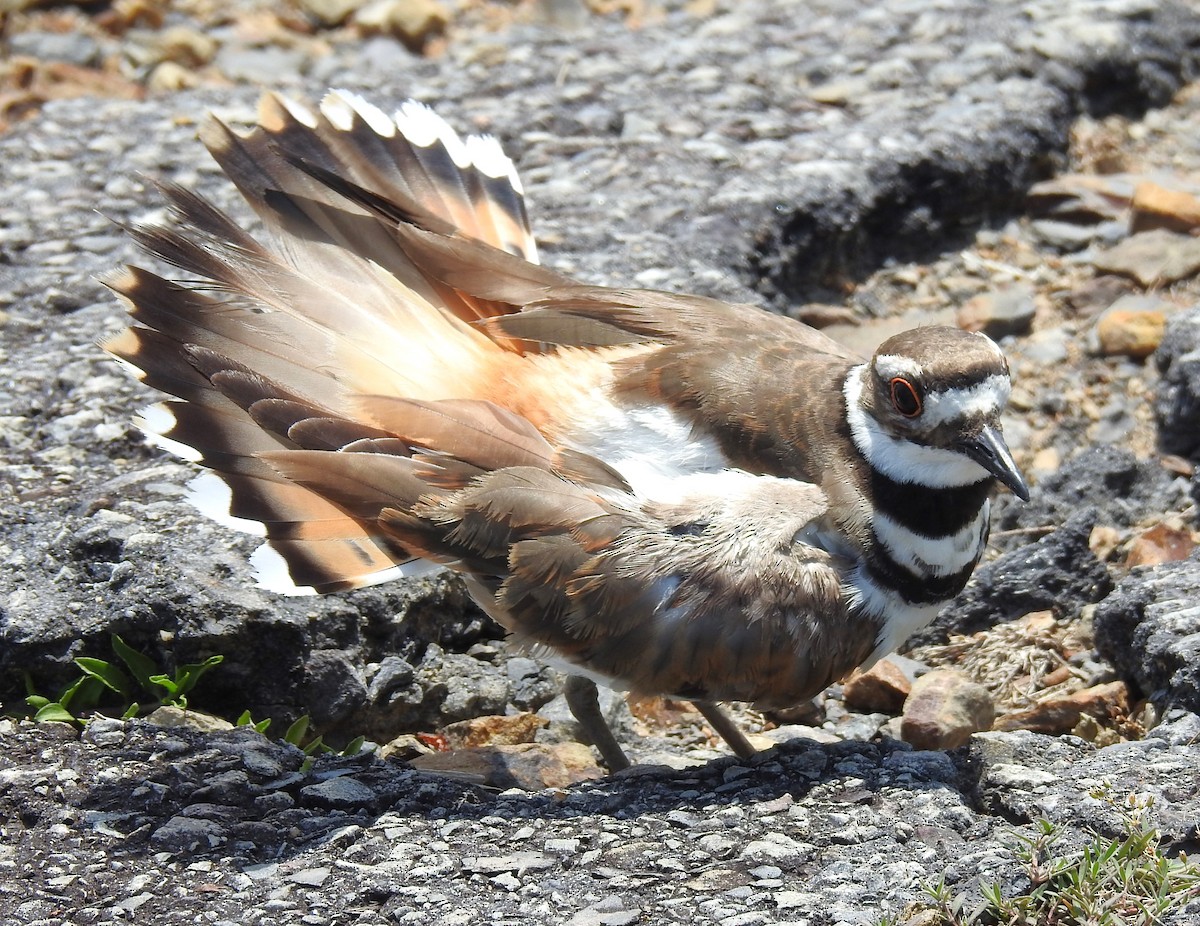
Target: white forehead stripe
[992,344]
[889,366]
[983,400]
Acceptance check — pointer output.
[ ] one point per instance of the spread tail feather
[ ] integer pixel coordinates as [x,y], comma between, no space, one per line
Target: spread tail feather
[326,335]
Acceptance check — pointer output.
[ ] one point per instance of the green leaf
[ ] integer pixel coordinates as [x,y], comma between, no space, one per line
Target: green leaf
[30,688]
[245,720]
[55,712]
[164,681]
[355,746]
[131,711]
[68,693]
[295,733]
[316,746]
[187,676]
[37,701]
[107,674]
[88,694]
[141,667]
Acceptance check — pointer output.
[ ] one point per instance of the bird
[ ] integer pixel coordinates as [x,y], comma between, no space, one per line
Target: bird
[663,493]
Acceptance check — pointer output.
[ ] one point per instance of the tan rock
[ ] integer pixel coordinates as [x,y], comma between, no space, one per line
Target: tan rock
[405,747]
[1130,332]
[1153,257]
[1163,543]
[1103,541]
[822,315]
[531,766]
[1036,622]
[186,47]
[1046,462]
[494,730]
[1056,716]
[414,22]
[329,13]
[810,713]
[1157,206]
[839,92]
[883,688]
[1056,676]
[170,716]
[1173,463]
[1103,701]
[944,709]
[169,77]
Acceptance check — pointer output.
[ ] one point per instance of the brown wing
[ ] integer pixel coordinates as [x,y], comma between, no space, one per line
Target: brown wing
[716,596]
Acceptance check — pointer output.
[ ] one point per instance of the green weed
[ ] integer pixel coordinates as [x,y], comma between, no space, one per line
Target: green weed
[100,681]
[1123,881]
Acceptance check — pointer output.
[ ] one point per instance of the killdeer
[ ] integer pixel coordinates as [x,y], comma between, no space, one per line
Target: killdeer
[666,493]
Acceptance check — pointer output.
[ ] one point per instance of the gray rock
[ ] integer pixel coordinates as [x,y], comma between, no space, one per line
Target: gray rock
[853,827]
[533,684]
[1059,572]
[73,47]
[779,850]
[1046,347]
[1121,489]
[188,834]
[1027,776]
[338,794]
[269,65]
[1177,404]
[388,677]
[1065,236]
[1179,728]
[563,727]
[999,312]
[105,731]
[1149,628]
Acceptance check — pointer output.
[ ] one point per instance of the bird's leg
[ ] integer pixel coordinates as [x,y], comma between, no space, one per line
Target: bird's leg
[584,702]
[727,729]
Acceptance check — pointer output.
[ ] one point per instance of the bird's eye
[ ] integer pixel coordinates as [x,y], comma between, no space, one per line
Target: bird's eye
[905,398]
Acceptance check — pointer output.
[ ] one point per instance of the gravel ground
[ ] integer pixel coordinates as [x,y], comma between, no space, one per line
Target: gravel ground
[864,167]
